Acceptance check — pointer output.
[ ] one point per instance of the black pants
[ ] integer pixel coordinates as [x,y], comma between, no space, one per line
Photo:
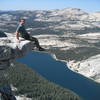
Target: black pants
[35,40]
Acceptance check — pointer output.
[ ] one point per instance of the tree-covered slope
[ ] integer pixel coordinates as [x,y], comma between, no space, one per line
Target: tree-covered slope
[32,85]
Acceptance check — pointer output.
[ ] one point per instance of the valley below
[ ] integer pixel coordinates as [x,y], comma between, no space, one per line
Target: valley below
[80,52]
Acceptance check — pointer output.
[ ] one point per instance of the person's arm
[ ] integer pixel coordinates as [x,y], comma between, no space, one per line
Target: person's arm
[17,33]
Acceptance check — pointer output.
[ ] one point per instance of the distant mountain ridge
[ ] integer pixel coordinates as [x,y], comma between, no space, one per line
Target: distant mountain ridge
[69,20]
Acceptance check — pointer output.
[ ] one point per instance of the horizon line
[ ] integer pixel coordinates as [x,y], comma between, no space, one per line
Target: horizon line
[46,9]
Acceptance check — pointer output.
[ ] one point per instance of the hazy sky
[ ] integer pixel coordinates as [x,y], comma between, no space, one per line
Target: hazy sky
[86,5]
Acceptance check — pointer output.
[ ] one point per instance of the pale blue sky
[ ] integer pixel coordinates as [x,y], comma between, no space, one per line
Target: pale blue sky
[86,5]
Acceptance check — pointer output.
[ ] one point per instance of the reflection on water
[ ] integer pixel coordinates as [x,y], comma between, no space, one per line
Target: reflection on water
[57,72]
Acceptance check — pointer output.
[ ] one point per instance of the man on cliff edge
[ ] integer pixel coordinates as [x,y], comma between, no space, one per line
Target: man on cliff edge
[21,31]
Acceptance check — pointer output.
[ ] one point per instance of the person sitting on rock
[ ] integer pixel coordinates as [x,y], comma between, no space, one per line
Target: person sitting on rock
[24,34]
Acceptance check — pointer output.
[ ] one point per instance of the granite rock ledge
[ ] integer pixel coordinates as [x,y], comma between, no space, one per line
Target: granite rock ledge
[10,49]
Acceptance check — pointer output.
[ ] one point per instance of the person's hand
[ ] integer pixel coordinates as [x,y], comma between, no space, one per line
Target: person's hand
[18,41]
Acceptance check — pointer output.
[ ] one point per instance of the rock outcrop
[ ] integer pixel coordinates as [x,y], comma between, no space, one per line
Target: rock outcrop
[10,49]
[89,67]
[2,34]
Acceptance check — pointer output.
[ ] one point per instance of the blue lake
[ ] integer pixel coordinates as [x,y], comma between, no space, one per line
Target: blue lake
[58,72]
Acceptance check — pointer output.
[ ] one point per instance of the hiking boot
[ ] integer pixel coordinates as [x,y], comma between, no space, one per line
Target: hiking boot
[41,49]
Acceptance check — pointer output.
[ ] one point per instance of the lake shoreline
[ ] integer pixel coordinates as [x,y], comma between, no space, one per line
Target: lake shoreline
[68,65]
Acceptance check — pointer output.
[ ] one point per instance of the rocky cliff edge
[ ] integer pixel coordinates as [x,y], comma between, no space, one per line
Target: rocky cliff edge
[10,49]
